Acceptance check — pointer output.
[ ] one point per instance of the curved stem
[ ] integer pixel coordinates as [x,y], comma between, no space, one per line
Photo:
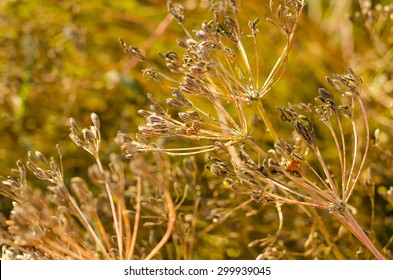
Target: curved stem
[87,225]
[344,159]
[333,187]
[340,156]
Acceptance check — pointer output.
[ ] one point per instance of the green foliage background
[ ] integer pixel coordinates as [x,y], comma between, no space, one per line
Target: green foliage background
[62,58]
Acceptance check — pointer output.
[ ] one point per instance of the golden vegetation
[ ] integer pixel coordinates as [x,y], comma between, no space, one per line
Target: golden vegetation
[246,151]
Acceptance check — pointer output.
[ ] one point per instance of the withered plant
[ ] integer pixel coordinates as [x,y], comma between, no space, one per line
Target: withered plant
[208,106]
[71,222]
[217,85]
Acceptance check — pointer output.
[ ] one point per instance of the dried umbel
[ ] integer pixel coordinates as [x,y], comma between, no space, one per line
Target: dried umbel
[210,70]
[285,174]
[216,83]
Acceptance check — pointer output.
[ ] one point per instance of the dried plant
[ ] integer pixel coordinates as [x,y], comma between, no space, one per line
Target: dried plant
[208,106]
[72,222]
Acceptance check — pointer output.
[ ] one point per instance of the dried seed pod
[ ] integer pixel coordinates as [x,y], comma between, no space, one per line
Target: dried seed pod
[191,116]
[207,28]
[88,135]
[201,35]
[176,10]
[324,95]
[345,110]
[191,42]
[32,158]
[131,50]
[145,113]
[96,121]
[262,171]
[287,115]
[181,98]
[306,131]
[73,125]
[41,157]
[172,56]
[174,103]
[221,146]
[246,158]
[182,44]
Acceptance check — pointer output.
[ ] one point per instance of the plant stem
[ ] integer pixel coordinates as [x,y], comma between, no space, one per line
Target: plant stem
[347,219]
[113,207]
[171,223]
[137,217]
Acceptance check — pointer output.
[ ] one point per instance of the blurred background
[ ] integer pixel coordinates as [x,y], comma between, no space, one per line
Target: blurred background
[62,59]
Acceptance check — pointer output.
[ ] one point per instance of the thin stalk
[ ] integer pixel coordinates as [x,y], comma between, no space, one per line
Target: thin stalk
[250,141]
[239,109]
[245,59]
[280,219]
[326,195]
[186,30]
[388,244]
[297,202]
[344,165]
[355,148]
[284,187]
[217,104]
[317,175]
[87,225]
[372,202]
[234,95]
[340,156]
[58,248]
[267,122]
[120,224]
[53,253]
[123,216]
[314,192]
[73,245]
[127,227]
[256,59]
[333,187]
[171,224]
[112,204]
[280,61]
[366,148]
[347,219]
[185,192]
